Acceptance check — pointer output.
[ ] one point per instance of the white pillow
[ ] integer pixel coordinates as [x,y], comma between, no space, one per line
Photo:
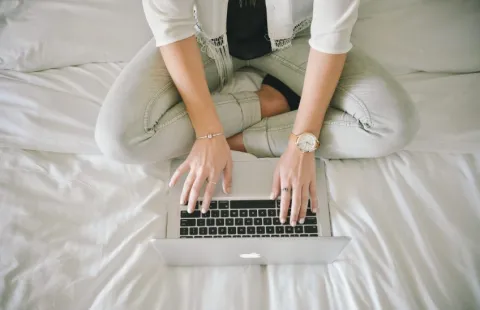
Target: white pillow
[421,35]
[37,35]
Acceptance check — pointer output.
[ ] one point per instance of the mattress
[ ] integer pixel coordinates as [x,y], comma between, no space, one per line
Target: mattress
[75,227]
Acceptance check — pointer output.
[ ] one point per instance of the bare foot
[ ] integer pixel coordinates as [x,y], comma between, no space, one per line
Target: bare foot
[272,102]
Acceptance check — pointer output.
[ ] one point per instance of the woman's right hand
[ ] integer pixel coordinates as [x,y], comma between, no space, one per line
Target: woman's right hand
[205,163]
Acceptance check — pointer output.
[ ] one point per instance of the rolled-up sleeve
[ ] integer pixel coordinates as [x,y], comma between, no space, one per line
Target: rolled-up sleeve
[170,20]
[332,25]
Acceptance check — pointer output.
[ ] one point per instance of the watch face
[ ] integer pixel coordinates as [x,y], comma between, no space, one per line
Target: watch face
[307,142]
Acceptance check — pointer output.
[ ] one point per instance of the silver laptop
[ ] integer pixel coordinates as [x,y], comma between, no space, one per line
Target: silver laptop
[244,228]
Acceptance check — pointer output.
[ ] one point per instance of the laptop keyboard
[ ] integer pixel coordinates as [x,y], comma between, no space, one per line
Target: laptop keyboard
[244,219]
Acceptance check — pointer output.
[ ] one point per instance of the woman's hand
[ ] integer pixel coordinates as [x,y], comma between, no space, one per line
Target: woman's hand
[205,163]
[295,179]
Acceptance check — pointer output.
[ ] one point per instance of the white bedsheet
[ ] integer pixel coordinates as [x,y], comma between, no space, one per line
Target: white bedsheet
[75,232]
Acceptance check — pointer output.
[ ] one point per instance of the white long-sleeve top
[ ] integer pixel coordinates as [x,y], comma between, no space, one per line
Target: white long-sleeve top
[331,24]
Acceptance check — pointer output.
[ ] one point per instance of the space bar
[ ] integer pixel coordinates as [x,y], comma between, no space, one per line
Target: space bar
[252,204]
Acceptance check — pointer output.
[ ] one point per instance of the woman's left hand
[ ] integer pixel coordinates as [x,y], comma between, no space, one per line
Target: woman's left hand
[295,179]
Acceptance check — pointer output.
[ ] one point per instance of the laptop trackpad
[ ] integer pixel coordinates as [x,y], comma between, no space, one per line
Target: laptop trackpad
[251,179]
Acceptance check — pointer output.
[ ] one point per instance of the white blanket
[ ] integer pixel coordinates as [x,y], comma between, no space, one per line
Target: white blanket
[75,234]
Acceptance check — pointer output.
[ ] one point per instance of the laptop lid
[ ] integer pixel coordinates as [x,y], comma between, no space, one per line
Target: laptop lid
[249,251]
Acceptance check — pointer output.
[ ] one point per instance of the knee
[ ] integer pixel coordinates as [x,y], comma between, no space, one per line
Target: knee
[114,144]
[401,129]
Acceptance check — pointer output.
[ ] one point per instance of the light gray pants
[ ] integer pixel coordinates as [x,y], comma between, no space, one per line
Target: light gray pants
[143,119]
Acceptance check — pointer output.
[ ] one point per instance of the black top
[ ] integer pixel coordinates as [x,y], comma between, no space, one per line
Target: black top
[247,30]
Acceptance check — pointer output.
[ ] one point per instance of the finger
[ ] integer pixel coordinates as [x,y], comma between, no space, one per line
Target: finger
[304,205]
[313,196]
[209,190]
[296,203]
[275,185]
[284,200]
[195,191]
[227,177]
[184,167]
[186,187]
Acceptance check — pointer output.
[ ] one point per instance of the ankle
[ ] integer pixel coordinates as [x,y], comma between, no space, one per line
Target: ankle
[272,102]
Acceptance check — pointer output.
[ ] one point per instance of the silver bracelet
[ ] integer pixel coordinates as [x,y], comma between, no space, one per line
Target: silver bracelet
[210,135]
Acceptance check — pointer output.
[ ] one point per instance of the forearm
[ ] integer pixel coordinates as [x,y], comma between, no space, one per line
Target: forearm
[321,79]
[184,63]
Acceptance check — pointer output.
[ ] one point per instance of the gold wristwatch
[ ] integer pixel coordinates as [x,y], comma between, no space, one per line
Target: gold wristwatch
[306,142]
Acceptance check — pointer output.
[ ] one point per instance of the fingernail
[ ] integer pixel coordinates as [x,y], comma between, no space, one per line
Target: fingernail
[229,190]
[282,220]
[314,210]
[302,221]
[170,184]
[293,223]
[190,211]
[204,210]
[182,202]
[272,196]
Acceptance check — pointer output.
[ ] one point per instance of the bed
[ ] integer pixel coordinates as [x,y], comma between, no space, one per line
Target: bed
[75,227]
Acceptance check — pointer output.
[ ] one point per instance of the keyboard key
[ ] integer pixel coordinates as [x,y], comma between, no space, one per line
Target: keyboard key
[197,214]
[226,236]
[260,230]
[229,222]
[272,212]
[295,235]
[252,213]
[207,236]
[193,231]
[186,237]
[223,205]
[288,229]
[252,204]
[246,236]
[215,213]
[216,236]
[248,222]
[298,229]
[238,222]
[197,236]
[262,213]
[311,229]
[187,222]
[186,215]
[276,236]
[210,222]
[258,221]
[232,230]
[303,235]
[310,220]
[313,235]
[233,213]
[243,213]
[213,205]
[276,221]
[222,230]
[206,215]
[236,236]
[241,230]
[200,222]
[270,230]
[267,221]
[183,231]
[203,230]
[220,222]
[224,213]
[279,229]
[212,230]
[251,230]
